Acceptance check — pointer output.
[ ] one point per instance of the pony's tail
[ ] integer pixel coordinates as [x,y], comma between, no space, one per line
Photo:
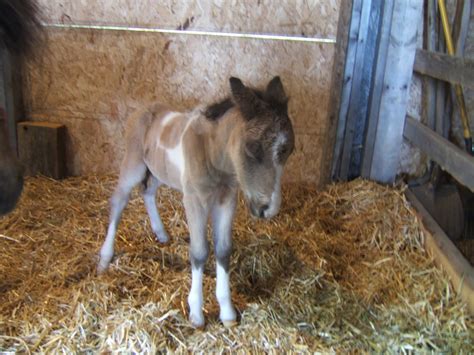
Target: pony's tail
[20,26]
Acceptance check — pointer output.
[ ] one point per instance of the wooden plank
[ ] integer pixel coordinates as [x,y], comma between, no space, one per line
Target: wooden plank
[451,158]
[429,85]
[337,82]
[407,14]
[461,25]
[354,113]
[446,255]
[347,85]
[377,88]
[42,148]
[454,70]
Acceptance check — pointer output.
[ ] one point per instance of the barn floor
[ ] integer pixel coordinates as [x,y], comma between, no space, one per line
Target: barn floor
[338,269]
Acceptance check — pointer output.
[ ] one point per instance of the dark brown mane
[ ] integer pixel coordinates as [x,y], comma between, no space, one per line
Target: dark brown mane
[215,111]
[218,109]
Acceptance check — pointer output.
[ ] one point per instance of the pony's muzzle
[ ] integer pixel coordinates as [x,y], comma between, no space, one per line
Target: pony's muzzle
[258,210]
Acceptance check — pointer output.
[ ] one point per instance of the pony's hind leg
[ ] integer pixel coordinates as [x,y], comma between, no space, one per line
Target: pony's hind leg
[149,196]
[132,173]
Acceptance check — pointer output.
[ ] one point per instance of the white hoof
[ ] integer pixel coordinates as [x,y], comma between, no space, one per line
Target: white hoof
[229,323]
[162,237]
[103,264]
[197,321]
[228,316]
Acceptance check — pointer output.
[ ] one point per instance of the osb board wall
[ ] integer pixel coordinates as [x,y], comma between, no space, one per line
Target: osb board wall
[92,80]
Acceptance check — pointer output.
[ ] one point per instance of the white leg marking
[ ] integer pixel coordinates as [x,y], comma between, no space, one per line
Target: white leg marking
[222,216]
[195,298]
[107,250]
[227,311]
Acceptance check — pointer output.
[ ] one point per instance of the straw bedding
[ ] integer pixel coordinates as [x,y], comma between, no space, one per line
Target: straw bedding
[338,269]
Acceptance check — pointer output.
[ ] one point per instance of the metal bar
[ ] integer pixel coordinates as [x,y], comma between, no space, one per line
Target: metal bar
[193,32]
[451,158]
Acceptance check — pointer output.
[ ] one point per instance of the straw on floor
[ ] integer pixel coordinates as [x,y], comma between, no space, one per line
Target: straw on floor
[338,269]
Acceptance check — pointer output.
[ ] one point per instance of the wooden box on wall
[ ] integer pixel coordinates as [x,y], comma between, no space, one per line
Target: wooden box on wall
[42,148]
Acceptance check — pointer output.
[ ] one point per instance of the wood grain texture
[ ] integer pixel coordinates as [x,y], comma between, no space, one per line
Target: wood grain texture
[42,148]
[454,70]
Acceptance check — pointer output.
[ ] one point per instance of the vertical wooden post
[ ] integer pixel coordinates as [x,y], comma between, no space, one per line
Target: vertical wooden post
[338,80]
[356,110]
[346,87]
[407,14]
[374,109]
[429,85]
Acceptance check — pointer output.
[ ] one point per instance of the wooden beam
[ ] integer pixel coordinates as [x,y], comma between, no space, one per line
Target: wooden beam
[361,88]
[346,90]
[451,158]
[341,49]
[461,25]
[441,66]
[42,148]
[429,84]
[377,89]
[407,14]
[446,255]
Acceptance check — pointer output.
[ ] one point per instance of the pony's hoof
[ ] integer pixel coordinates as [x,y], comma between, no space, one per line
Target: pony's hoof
[229,323]
[162,237]
[102,267]
[196,322]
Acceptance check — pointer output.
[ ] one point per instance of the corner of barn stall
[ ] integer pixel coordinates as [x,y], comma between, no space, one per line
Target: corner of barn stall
[355,260]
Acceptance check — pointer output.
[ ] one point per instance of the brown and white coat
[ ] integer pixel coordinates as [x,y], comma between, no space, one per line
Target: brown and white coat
[207,154]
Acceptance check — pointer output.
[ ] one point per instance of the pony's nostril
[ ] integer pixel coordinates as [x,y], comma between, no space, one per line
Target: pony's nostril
[262,211]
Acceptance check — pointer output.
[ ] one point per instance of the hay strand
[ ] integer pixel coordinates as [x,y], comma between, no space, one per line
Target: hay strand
[340,269]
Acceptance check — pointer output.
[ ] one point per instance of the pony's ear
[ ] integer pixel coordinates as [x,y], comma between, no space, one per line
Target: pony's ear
[248,102]
[275,93]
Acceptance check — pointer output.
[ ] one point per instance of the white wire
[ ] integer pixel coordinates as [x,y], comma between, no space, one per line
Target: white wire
[195,33]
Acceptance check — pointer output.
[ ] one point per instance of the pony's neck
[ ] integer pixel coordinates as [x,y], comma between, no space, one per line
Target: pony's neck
[225,142]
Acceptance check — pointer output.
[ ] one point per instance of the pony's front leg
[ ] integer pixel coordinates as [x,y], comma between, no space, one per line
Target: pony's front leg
[222,216]
[196,215]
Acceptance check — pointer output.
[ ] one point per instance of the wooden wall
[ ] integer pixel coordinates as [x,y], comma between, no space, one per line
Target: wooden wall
[91,80]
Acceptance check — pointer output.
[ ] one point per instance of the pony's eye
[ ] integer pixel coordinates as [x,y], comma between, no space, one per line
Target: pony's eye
[254,150]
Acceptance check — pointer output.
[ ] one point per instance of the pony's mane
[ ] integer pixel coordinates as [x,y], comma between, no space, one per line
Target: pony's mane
[218,109]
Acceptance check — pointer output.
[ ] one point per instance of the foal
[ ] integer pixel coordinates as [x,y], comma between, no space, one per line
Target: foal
[242,141]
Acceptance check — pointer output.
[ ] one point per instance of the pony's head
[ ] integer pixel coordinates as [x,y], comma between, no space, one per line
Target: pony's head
[266,142]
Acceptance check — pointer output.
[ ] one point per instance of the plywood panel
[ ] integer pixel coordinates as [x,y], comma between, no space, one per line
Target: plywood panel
[92,80]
